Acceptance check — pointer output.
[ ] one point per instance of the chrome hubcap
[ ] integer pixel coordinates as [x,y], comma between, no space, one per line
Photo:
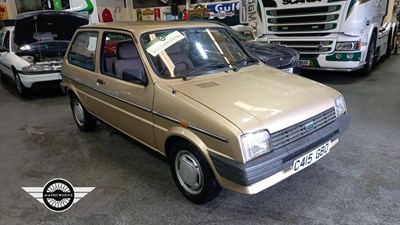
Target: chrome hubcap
[79,114]
[189,173]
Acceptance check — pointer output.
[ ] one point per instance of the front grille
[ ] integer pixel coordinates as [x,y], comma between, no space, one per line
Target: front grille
[304,11]
[308,47]
[305,19]
[297,131]
[311,20]
[303,35]
[303,28]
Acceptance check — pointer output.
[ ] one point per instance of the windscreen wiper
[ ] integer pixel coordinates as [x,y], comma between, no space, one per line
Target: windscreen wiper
[244,62]
[202,67]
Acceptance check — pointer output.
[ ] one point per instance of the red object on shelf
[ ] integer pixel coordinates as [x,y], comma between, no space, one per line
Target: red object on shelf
[157,13]
[107,16]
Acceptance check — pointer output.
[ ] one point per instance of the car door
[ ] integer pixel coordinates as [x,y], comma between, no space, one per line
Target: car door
[124,103]
[5,57]
[82,64]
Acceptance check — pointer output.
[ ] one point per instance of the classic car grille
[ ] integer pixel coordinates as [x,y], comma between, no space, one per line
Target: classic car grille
[306,46]
[295,132]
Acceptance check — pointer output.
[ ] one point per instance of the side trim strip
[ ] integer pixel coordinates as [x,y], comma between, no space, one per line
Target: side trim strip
[5,65]
[111,96]
[124,101]
[193,127]
[154,112]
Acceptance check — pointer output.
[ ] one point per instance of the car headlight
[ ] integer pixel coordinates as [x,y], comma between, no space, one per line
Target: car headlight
[340,105]
[295,58]
[37,68]
[348,46]
[255,144]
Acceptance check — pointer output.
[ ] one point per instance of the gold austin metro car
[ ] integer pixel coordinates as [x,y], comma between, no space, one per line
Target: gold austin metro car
[192,92]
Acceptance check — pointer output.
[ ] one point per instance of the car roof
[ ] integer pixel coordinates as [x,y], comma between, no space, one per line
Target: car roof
[147,26]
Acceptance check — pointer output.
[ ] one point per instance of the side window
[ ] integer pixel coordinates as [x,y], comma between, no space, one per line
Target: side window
[6,42]
[2,35]
[83,50]
[119,56]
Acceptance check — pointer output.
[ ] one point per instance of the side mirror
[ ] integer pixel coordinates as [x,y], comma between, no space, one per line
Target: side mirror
[135,76]
[3,49]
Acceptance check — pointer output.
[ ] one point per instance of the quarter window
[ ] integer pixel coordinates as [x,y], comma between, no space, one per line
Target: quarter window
[83,50]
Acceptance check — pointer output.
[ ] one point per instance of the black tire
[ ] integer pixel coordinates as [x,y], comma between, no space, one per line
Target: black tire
[203,187]
[3,77]
[83,119]
[370,59]
[19,86]
[389,45]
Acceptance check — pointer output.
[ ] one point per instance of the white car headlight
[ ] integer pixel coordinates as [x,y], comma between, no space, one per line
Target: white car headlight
[37,68]
[255,144]
[340,106]
[348,46]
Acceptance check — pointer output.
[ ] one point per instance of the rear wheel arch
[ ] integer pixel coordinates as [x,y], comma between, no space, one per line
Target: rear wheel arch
[71,94]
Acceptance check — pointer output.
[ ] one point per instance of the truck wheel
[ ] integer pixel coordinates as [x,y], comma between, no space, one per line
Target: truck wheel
[192,173]
[370,59]
[21,89]
[83,119]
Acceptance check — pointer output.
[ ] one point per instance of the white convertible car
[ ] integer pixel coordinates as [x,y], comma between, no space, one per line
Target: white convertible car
[31,53]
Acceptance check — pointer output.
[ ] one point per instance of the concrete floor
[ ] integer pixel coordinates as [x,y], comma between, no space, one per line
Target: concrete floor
[357,183]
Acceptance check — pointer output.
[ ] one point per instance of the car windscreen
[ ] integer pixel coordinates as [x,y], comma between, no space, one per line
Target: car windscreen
[192,52]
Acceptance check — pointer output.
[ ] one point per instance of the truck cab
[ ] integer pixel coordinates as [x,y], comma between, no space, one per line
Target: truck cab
[340,35]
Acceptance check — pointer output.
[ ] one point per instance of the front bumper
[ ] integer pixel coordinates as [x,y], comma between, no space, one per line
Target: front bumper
[29,79]
[259,170]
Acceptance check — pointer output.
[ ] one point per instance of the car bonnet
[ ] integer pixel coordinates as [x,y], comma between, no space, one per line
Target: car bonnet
[60,24]
[259,97]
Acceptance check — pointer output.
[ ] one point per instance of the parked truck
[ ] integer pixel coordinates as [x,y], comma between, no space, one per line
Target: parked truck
[339,35]
[88,7]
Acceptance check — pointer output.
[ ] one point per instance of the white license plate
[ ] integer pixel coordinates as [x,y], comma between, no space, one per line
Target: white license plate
[311,157]
[289,70]
[304,62]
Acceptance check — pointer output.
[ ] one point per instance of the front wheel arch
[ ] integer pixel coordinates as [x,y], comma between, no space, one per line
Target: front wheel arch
[176,134]
[192,172]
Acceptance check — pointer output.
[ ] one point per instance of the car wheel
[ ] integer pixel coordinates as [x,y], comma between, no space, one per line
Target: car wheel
[21,89]
[192,173]
[389,45]
[370,59]
[3,77]
[83,119]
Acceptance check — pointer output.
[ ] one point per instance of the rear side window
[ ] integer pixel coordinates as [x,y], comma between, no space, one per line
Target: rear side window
[83,50]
